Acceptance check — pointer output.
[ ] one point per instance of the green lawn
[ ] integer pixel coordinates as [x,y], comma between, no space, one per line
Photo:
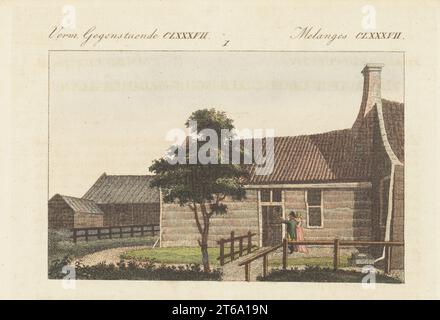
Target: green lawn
[311,261]
[180,255]
[60,245]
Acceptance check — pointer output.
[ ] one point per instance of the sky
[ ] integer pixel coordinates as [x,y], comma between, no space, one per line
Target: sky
[109,111]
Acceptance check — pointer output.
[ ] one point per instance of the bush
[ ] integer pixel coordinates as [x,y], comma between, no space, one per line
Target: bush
[318,274]
[133,271]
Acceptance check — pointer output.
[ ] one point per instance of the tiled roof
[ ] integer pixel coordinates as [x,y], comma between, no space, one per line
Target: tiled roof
[393,115]
[326,157]
[336,156]
[123,189]
[80,205]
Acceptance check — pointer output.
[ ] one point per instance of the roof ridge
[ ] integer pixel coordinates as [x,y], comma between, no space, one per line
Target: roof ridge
[315,134]
[130,175]
[391,101]
[306,135]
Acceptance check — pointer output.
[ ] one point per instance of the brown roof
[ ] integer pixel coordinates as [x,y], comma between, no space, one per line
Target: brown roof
[123,189]
[80,205]
[393,115]
[336,156]
[325,157]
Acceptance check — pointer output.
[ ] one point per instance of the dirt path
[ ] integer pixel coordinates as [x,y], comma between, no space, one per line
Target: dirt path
[106,256]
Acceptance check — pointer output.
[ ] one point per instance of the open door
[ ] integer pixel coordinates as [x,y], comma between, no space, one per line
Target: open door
[272,227]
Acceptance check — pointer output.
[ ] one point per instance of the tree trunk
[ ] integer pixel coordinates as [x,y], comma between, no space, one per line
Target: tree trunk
[205,256]
[204,232]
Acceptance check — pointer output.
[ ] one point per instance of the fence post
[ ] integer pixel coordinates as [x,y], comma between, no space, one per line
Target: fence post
[240,244]
[249,247]
[99,234]
[87,235]
[110,233]
[264,266]
[388,261]
[222,252]
[120,232]
[74,236]
[142,231]
[285,253]
[336,255]
[232,245]
[247,271]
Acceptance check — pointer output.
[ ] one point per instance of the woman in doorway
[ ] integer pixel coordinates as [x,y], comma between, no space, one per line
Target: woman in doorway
[299,233]
[291,230]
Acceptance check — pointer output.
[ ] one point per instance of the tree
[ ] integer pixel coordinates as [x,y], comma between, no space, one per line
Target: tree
[202,187]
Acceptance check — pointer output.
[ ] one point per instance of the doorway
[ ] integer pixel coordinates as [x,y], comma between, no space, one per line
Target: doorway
[272,226]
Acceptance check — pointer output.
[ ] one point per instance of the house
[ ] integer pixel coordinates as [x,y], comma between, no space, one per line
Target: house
[347,184]
[113,200]
[69,212]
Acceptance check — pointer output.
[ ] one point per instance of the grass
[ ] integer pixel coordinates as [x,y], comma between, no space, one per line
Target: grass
[319,274]
[60,246]
[172,255]
[312,261]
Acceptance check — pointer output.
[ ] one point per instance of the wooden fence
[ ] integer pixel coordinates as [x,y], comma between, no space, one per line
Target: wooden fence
[242,248]
[336,243]
[115,232]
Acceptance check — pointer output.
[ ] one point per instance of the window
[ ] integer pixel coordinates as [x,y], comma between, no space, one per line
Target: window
[265,195]
[276,195]
[270,195]
[314,208]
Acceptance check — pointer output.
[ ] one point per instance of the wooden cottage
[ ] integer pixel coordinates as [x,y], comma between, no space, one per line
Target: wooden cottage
[126,200]
[114,200]
[347,184]
[70,212]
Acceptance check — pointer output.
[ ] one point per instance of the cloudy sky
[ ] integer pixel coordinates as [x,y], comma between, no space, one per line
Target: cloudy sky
[110,111]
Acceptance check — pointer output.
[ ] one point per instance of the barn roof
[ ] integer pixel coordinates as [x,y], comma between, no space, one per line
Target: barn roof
[79,205]
[123,189]
[335,156]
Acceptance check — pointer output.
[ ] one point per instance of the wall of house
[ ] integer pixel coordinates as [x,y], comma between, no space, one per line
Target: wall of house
[60,214]
[178,227]
[397,229]
[88,220]
[130,214]
[346,213]
[382,169]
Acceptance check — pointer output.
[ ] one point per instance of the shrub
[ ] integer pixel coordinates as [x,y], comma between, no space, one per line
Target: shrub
[318,274]
[133,271]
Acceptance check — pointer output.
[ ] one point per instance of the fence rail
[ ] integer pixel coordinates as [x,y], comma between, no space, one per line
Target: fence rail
[232,252]
[114,232]
[336,243]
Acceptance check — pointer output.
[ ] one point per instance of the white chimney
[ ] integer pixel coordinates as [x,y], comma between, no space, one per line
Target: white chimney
[371,92]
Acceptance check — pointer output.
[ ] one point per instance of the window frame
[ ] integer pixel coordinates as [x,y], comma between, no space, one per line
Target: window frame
[270,202]
[321,206]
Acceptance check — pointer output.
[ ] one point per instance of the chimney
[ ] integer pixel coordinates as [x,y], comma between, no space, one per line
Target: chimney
[371,92]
